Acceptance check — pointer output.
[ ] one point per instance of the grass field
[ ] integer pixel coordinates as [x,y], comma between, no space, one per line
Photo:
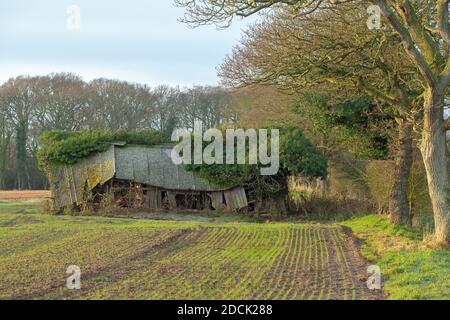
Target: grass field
[200,259]
[146,259]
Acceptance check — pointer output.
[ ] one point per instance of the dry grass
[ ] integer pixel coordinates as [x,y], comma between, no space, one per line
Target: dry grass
[24,194]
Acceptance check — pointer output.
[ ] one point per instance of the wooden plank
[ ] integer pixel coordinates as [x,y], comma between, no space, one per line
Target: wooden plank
[74,185]
[236,198]
[217,200]
[66,172]
[172,200]
[153,196]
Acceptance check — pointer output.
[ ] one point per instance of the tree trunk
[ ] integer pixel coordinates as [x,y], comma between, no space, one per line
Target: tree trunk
[434,153]
[21,153]
[398,199]
[4,149]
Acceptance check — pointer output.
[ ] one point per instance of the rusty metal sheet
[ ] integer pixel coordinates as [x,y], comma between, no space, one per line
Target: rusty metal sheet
[68,182]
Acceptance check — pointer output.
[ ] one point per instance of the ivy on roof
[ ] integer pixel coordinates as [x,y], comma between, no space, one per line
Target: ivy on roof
[68,147]
[298,156]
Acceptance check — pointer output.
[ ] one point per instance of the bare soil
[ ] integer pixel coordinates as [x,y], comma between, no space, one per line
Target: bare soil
[25,194]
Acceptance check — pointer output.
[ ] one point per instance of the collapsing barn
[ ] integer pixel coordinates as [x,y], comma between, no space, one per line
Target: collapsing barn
[139,172]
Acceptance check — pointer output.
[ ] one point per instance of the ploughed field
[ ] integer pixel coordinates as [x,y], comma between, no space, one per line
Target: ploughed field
[145,259]
[24,195]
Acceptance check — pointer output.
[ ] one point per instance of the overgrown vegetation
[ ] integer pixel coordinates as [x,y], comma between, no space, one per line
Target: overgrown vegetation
[351,124]
[67,147]
[298,156]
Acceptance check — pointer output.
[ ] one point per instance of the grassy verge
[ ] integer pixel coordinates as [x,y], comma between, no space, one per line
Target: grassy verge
[20,206]
[211,257]
[409,269]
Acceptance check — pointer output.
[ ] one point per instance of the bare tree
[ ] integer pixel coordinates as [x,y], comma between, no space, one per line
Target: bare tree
[62,104]
[19,97]
[299,53]
[115,105]
[167,106]
[208,105]
[6,133]
[423,27]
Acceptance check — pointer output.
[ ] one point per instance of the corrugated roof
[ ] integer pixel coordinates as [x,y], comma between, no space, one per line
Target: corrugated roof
[154,166]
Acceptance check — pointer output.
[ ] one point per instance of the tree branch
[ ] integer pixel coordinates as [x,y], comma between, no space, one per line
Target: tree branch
[375,93]
[408,42]
[422,39]
[443,24]
[445,77]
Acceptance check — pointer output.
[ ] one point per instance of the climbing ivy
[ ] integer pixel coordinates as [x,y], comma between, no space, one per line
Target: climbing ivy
[68,147]
[298,156]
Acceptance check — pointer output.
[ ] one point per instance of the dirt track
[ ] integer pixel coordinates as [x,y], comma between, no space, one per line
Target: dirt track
[24,194]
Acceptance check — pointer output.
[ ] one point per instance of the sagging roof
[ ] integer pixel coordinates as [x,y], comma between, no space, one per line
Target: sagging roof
[152,166]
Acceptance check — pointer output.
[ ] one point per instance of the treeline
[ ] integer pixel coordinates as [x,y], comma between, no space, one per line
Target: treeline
[30,106]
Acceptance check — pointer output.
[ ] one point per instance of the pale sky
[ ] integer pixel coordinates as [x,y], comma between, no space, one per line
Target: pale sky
[133,40]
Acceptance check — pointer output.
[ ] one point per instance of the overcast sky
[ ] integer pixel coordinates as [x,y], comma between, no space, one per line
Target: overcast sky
[134,40]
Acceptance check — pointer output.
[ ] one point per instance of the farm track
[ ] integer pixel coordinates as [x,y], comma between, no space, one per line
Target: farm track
[183,261]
